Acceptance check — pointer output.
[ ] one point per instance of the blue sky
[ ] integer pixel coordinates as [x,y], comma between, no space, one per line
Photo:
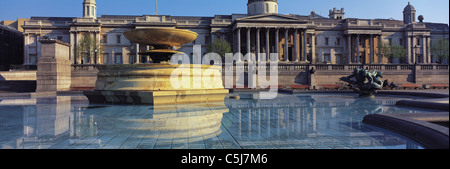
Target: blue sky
[433,10]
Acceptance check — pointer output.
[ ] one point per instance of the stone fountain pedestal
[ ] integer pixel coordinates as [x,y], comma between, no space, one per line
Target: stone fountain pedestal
[158,83]
[151,84]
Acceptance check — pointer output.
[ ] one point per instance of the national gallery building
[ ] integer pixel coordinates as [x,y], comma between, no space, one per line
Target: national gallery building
[303,39]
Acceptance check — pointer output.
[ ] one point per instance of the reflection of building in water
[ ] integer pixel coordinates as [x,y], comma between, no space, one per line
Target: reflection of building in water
[47,121]
[309,119]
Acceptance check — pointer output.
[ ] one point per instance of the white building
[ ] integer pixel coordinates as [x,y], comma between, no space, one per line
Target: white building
[296,38]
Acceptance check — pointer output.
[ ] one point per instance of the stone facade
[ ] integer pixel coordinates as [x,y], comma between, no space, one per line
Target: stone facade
[296,38]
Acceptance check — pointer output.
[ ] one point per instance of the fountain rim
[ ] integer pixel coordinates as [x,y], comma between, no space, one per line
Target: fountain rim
[164,29]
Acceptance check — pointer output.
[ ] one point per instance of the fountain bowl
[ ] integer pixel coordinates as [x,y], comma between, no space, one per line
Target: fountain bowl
[160,36]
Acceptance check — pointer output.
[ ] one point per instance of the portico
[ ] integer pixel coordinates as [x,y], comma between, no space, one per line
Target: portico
[273,33]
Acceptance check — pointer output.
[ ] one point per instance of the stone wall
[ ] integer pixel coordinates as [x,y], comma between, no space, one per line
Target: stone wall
[84,76]
[292,74]
[18,81]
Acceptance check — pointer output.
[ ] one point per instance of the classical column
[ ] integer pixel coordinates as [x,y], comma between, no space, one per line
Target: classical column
[238,43]
[305,54]
[429,49]
[258,42]
[408,50]
[72,46]
[296,45]
[349,48]
[313,48]
[138,57]
[286,47]
[424,50]
[357,50]
[277,44]
[380,58]
[413,50]
[249,46]
[267,44]
[26,48]
[371,58]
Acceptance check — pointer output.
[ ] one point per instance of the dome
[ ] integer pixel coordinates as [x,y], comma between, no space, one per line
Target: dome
[251,1]
[89,1]
[260,7]
[409,7]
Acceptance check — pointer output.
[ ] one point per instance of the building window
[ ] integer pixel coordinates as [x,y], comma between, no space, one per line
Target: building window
[87,11]
[267,8]
[401,41]
[33,58]
[338,41]
[326,58]
[118,39]
[105,38]
[326,41]
[105,58]
[118,58]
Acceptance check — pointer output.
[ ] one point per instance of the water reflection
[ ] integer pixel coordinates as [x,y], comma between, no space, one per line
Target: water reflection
[313,121]
[289,121]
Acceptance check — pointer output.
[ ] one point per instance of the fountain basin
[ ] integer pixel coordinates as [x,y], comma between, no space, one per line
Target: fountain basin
[154,84]
[161,36]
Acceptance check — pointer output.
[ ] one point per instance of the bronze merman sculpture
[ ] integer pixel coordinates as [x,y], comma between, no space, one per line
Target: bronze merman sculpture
[366,83]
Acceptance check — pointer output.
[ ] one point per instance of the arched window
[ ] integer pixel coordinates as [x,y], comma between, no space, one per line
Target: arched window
[267,8]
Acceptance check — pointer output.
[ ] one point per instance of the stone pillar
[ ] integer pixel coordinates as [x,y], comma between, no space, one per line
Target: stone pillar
[313,48]
[138,57]
[296,58]
[305,51]
[277,44]
[286,47]
[424,50]
[357,50]
[238,42]
[249,46]
[72,47]
[408,50]
[26,48]
[429,49]
[349,48]
[380,58]
[371,58]
[413,50]
[258,42]
[54,67]
[267,44]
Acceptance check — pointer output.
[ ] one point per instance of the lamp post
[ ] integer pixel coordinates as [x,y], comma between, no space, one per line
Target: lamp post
[95,55]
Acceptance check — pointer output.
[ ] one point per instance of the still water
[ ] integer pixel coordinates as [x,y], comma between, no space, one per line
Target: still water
[299,121]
